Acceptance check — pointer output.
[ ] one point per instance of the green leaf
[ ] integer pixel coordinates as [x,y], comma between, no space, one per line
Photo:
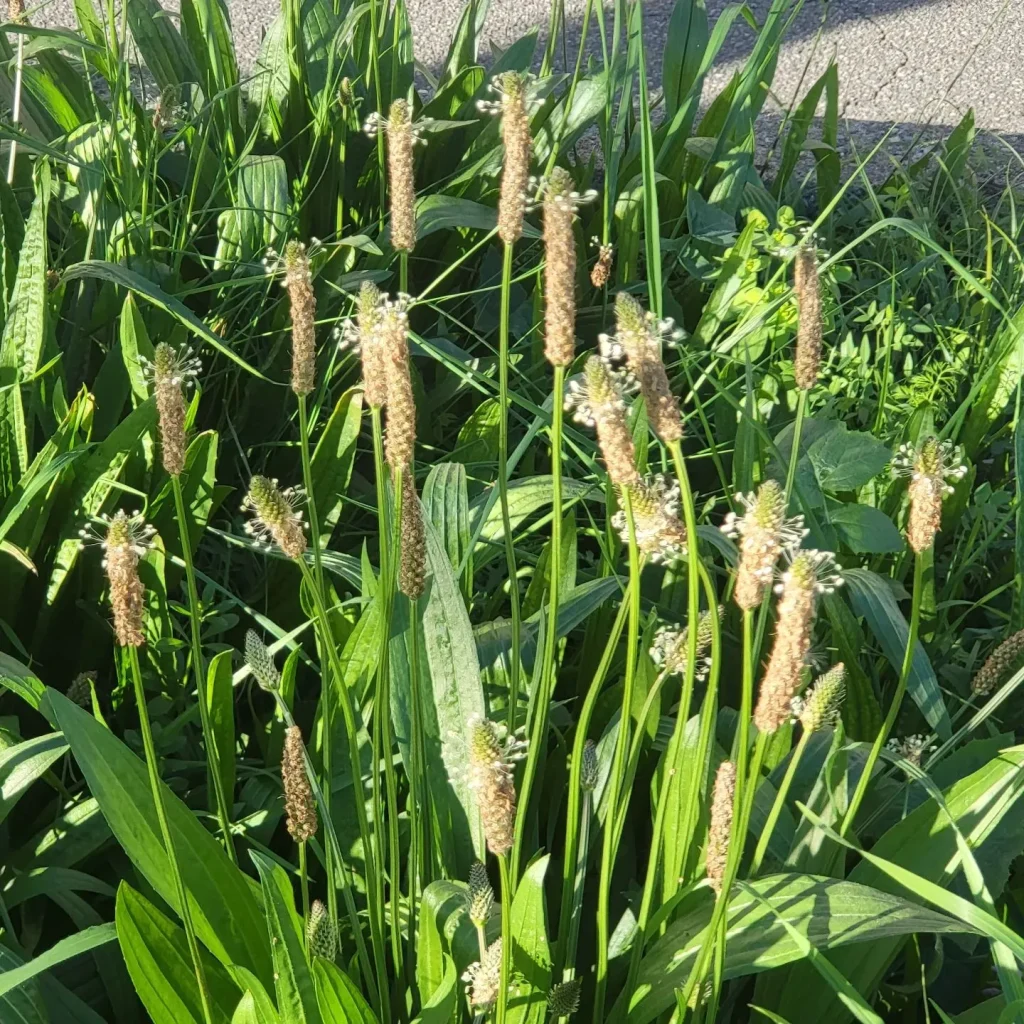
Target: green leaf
[156,953]
[74,945]
[135,343]
[437,212]
[709,223]
[446,505]
[21,345]
[685,43]
[984,806]
[844,459]
[21,681]
[1004,364]
[23,1004]
[440,1007]
[220,696]
[827,912]
[223,901]
[871,597]
[531,957]
[162,48]
[296,998]
[129,279]
[339,999]
[333,458]
[865,530]
[259,218]
[23,763]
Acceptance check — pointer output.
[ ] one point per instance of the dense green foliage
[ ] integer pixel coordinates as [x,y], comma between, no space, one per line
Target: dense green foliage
[856,863]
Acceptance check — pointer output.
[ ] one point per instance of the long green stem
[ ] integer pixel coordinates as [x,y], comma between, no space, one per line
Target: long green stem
[794,452]
[780,802]
[375,71]
[304,886]
[610,838]
[326,700]
[549,669]
[579,885]
[897,698]
[213,754]
[165,832]
[376,913]
[506,938]
[506,520]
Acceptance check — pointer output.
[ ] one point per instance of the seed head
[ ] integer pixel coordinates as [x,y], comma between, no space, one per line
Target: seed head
[597,401]
[911,748]
[299,284]
[484,978]
[590,769]
[670,649]
[929,467]
[720,826]
[298,797]
[15,11]
[810,574]
[412,571]
[999,663]
[321,934]
[764,532]
[275,519]
[362,334]
[807,286]
[639,337]
[170,372]
[80,690]
[125,539]
[261,663]
[564,998]
[492,752]
[401,140]
[560,201]
[513,108]
[480,896]
[660,533]
[393,334]
[819,708]
[601,272]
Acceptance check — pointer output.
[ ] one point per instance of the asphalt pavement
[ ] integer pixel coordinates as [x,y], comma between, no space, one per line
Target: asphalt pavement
[906,61]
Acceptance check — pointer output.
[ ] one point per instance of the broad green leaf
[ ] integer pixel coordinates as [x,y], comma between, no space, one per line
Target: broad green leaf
[440,1007]
[156,953]
[446,505]
[74,945]
[685,42]
[141,286]
[463,49]
[440,900]
[827,912]
[163,49]
[23,763]
[21,681]
[844,459]
[50,881]
[220,696]
[333,458]
[731,277]
[451,693]
[531,957]
[135,343]
[224,904]
[339,999]
[984,806]
[259,218]
[1004,365]
[256,1005]
[21,345]
[864,529]
[872,598]
[437,212]
[296,998]
[23,1004]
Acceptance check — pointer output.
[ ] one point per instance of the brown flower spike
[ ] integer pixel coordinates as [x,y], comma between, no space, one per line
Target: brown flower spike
[601,272]
[412,570]
[126,539]
[560,201]
[597,400]
[810,573]
[639,337]
[998,664]
[659,532]
[170,372]
[807,286]
[361,334]
[929,466]
[491,755]
[484,978]
[511,106]
[400,175]
[393,335]
[720,826]
[763,531]
[298,796]
[274,517]
[299,285]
